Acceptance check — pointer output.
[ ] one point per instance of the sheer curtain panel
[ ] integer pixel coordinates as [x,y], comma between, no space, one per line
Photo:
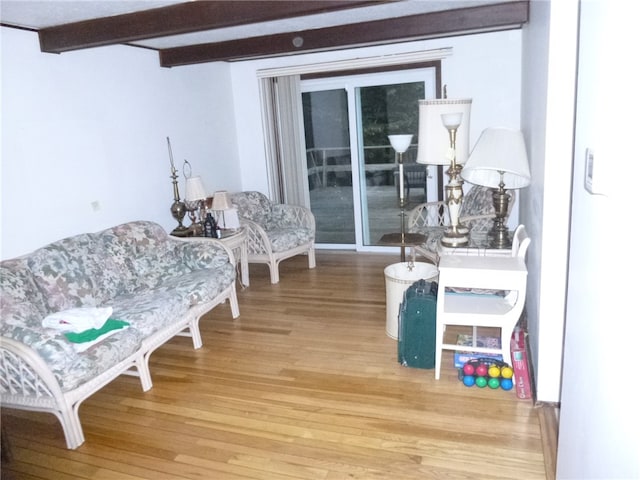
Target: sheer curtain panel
[283,126]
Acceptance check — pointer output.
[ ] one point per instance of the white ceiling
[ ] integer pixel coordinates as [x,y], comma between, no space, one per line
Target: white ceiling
[37,14]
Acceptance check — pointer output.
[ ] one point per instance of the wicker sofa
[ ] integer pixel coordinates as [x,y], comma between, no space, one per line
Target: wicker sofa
[159,285]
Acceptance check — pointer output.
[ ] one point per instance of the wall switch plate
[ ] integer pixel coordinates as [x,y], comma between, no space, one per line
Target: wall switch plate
[594,181]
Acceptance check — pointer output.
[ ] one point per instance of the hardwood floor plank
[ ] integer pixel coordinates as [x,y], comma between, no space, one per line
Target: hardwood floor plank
[305,384]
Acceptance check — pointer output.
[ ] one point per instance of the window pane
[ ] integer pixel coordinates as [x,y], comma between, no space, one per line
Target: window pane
[387,110]
[326,125]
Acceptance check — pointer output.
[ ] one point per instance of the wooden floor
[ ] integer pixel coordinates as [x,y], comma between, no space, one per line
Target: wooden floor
[303,385]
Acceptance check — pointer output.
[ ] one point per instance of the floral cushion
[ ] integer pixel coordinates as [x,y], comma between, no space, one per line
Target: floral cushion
[479,201]
[284,239]
[21,302]
[150,312]
[285,216]
[254,206]
[70,274]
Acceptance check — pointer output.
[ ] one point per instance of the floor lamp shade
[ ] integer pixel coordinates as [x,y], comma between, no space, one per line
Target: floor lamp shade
[400,143]
[433,136]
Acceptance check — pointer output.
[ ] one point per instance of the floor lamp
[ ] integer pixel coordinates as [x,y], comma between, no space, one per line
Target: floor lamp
[499,160]
[178,208]
[443,139]
[400,144]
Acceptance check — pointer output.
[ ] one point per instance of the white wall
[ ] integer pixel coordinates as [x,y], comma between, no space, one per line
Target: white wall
[549,55]
[485,67]
[91,126]
[599,416]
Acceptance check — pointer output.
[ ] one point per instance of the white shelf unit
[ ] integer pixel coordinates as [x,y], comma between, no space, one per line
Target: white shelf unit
[479,309]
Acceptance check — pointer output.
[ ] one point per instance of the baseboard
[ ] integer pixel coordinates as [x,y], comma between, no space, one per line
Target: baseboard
[548,413]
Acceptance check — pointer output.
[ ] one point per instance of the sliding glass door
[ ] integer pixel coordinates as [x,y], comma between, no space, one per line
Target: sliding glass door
[328,147]
[352,169]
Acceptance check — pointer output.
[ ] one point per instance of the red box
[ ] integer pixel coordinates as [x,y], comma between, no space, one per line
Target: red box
[520,363]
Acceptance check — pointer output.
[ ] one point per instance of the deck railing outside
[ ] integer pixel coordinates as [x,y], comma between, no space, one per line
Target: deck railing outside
[333,164]
[330,182]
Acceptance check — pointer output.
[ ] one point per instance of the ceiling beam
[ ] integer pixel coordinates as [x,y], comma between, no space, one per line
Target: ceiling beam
[182,18]
[412,27]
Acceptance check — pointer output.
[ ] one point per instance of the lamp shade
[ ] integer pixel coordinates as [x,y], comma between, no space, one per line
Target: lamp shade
[221,201]
[194,189]
[400,143]
[499,154]
[433,136]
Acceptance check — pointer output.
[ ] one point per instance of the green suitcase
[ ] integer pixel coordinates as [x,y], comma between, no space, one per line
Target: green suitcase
[417,325]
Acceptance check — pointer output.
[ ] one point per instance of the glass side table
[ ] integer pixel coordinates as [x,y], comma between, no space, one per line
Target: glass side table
[402,240]
[479,245]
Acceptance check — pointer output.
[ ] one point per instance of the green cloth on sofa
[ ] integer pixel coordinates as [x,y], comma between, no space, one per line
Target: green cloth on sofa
[95,333]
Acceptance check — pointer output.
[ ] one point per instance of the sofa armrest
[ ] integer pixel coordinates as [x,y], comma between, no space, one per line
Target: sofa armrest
[25,373]
[285,215]
[199,253]
[258,242]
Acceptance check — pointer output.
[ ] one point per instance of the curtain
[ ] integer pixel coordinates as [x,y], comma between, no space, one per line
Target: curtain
[283,125]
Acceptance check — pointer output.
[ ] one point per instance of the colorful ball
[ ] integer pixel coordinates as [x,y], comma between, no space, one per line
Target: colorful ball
[506,384]
[494,371]
[469,380]
[506,372]
[481,382]
[493,382]
[468,369]
[481,370]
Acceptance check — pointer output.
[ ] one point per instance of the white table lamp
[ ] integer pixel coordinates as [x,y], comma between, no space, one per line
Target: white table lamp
[499,161]
[221,202]
[194,198]
[444,140]
[194,189]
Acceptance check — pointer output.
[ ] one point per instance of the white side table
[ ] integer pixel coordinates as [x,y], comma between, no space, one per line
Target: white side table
[236,240]
[480,310]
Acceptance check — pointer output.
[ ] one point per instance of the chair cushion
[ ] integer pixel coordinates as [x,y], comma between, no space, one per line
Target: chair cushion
[284,239]
[253,206]
[477,201]
[70,274]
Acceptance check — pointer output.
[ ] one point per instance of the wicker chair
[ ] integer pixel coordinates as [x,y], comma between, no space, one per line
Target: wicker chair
[432,219]
[275,232]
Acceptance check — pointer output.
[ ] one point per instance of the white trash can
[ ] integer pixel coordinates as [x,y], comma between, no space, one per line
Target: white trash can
[399,277]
